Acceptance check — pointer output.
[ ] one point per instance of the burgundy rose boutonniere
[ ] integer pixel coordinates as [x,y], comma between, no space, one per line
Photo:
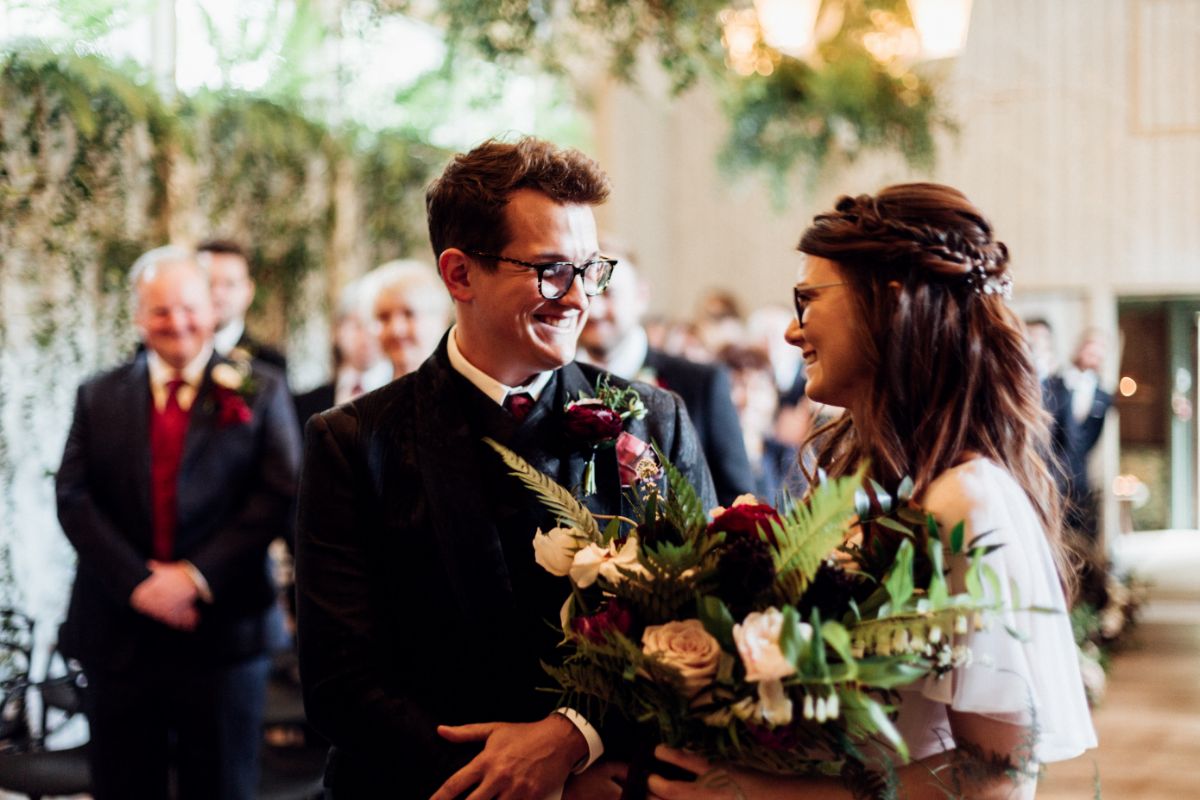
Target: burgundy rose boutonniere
[230,387]
[599,422]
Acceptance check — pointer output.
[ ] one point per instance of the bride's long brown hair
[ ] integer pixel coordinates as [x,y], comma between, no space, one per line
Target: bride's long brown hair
[953,373]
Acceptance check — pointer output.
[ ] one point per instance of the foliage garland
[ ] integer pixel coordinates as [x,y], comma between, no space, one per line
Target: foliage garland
[842,101]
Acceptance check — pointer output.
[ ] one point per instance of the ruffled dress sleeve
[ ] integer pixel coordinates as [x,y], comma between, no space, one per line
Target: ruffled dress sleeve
[1032,679]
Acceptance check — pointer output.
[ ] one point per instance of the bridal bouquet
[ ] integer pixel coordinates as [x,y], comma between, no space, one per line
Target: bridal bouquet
[760,636]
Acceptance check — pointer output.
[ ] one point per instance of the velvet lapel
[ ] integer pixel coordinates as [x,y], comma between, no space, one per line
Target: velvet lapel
[202,418]
[135,397]
[452,474]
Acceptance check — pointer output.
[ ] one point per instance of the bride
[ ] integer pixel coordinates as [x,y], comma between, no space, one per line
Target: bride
[902,321]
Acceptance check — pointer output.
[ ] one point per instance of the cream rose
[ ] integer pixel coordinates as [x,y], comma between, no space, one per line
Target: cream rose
[595,561]
[686,648]
[227,375]
[555,549]
[757,640]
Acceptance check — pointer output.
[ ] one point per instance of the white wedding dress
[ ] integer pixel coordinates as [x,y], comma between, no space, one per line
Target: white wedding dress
[1034,682]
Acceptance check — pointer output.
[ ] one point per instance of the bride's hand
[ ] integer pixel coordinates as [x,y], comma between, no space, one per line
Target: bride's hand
[716,781]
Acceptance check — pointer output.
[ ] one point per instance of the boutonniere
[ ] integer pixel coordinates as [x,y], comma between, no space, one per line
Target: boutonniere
[599,422]
[232,385]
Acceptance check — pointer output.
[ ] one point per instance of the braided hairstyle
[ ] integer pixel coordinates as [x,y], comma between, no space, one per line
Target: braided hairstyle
[953,372]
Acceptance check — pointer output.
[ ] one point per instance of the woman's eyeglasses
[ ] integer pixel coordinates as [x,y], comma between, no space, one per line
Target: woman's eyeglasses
[802,296]
[555,277]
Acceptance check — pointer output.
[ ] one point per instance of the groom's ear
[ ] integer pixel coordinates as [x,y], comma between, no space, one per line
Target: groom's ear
[455,269]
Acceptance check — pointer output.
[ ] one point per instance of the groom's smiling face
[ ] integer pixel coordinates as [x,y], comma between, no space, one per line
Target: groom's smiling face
[526,333]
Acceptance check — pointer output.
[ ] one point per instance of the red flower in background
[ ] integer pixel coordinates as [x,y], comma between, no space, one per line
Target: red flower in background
[231,408]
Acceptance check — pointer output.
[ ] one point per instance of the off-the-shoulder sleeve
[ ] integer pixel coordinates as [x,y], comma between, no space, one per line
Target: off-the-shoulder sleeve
[1032,679]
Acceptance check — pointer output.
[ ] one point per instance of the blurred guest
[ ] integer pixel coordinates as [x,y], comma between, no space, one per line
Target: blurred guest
[1040,337]
[719,320]
[232,293]
[358,364]
[1079,407]
[410,309]
[765,329]
[613,339]
[757,399]
[178,471]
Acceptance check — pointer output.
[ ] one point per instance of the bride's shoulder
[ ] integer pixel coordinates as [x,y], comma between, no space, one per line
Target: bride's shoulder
[977,487]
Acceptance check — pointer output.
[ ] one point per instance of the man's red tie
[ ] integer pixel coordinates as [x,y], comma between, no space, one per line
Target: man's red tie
[519,405]
[168,429]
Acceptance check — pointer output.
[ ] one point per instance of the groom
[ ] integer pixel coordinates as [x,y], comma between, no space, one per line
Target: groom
[420,603]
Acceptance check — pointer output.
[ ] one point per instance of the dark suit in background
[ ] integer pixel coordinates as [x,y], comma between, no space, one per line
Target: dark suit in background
[420,602]
[707,394]
[263,352]
[314,401]
[1072,440]
[235,490]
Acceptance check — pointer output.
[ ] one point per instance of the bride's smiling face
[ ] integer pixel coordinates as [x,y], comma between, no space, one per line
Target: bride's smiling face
[830,336]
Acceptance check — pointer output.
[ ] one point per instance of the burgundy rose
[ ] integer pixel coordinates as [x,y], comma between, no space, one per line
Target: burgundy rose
[746,571]
[782,738]
[747,519]
[231,409]
[591,422]
[613,617]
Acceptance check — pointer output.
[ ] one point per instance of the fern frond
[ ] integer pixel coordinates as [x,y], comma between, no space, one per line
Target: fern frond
[810,532]
[682,508]
[558,500]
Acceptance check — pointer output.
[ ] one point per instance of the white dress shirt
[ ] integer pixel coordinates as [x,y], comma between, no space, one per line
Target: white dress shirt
[225,339]
[498,392]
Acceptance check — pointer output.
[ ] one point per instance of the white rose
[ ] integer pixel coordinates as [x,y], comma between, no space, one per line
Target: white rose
[774,706]
[595,561]
[686,648]
[757,639]
[227,375]
[555,549]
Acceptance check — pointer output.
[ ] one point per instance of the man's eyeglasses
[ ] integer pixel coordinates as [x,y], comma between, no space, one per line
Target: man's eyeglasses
[802,296]
[555,277]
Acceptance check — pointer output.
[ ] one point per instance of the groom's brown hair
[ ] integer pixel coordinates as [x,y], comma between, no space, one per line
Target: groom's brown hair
[465,206]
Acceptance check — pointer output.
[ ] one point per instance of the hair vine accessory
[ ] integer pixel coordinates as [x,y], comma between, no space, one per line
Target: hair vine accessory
[983,282]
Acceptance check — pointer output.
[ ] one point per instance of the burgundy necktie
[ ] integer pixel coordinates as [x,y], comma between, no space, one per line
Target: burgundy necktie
[519,405]
[168,429]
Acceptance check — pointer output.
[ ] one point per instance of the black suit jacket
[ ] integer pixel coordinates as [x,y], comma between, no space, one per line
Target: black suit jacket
[314,401]
[708,396]
[261,351]
[236,487]
[409,608]
[1073,439]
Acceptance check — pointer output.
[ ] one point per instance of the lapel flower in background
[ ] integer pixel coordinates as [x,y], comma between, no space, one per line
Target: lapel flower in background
[231,385]
[589,421]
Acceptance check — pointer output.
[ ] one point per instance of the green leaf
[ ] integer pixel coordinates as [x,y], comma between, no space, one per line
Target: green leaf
[837,637]
[905,490]
[890,523]
[899,581]
[972,579]
[938,592]
[993,580]
[887,672]
[558,500]
[810,532]
[715,617]
[957,535]
[682,506]
[879,718]
[792,642]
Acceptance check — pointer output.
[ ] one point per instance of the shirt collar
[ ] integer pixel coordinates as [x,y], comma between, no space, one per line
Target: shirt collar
[627,358]
[486,383]
[225,339]
[191,374]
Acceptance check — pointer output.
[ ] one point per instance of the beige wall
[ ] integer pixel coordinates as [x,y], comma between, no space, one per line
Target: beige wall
[1079,136]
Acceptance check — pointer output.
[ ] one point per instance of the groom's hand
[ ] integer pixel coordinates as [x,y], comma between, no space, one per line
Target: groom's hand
[519,761]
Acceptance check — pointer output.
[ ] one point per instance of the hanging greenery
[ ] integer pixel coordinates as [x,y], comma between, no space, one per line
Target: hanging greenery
[786,114]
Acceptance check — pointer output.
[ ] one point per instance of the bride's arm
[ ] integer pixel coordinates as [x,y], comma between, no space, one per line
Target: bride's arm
[985,767]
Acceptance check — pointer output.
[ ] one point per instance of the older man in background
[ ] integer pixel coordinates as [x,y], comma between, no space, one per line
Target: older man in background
[178,471]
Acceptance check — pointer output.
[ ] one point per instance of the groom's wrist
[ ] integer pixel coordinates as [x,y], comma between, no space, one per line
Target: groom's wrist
[591,738]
